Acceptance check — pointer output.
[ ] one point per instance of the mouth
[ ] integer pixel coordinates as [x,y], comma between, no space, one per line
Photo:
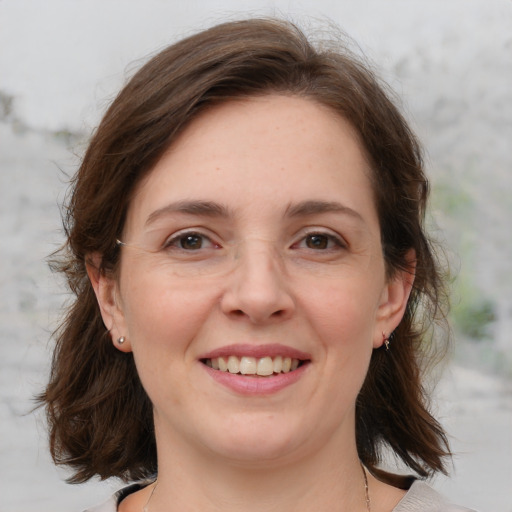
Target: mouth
[256,370]
[266,366]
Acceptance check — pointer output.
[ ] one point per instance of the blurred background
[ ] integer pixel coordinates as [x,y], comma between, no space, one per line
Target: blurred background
[61,63]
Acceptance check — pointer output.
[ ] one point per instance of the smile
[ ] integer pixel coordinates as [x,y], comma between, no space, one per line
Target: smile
[259,366]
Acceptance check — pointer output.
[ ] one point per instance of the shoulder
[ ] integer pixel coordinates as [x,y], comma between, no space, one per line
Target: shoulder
[112,504]
[422,498]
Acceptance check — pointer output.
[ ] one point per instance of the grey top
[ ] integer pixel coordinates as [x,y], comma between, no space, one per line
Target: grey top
[422,498]
[419,498]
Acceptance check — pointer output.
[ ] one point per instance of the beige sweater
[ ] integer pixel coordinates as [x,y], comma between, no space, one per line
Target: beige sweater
[419,498]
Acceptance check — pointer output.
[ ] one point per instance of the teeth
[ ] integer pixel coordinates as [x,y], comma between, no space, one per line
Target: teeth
[233,364]
[248,366]
[264,367]
[223,365]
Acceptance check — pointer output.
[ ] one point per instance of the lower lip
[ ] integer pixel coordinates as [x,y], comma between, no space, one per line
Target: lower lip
[252,385]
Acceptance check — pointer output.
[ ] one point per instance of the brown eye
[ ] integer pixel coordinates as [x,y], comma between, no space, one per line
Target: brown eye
[191,242]
[317,241]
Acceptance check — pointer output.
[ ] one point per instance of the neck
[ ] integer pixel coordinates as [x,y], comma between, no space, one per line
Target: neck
[316,482]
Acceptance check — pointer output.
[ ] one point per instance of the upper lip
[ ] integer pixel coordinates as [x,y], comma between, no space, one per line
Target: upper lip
[257,351]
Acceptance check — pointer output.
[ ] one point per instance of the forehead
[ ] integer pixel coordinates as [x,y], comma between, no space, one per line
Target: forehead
[272,123]
[268,151]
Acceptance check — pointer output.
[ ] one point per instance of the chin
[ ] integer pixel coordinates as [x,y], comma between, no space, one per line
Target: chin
[260,440]
[254,456]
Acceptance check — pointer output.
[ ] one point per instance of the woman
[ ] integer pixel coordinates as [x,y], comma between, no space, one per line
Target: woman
[253,287]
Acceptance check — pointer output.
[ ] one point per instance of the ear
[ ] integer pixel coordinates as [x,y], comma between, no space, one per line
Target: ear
[394,300]
[105,288]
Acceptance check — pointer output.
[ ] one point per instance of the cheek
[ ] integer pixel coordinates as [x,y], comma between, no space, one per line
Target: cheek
[161,314]
[343,310]
[162,324]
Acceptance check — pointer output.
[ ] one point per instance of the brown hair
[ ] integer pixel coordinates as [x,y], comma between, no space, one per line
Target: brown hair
[100,418]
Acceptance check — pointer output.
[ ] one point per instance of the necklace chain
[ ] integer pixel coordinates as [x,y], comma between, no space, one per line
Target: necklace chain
[366,492]
[145,507]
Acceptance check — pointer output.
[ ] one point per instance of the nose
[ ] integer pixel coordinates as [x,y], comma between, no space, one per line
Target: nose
[258,290]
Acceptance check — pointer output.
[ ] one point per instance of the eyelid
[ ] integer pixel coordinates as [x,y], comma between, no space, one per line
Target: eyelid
[330,234]
[175,237]
[171,240]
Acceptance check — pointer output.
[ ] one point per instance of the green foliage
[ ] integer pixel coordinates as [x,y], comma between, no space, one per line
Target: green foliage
[451,200]
[474,314]
[474,320]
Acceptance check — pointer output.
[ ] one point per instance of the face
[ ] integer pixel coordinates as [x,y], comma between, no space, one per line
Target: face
[252,287]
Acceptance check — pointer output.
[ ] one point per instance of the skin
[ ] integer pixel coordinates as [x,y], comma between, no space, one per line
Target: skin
[257,279]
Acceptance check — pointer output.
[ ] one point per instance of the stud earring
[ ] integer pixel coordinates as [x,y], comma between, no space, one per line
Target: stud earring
[121,340]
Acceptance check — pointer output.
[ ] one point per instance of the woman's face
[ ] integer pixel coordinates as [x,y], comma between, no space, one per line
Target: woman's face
[254,246]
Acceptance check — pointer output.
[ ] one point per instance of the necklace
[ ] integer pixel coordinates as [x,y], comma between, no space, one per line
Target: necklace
[366,492]
[145,507]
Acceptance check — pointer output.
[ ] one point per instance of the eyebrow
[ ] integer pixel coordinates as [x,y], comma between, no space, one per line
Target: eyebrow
[213,209]
[202,208]
[306,208]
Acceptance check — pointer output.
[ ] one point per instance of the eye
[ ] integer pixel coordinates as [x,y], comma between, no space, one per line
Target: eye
[320,242]
[317,242]
[190,241]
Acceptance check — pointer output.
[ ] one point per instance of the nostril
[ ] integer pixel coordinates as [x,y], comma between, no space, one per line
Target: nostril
[276,314]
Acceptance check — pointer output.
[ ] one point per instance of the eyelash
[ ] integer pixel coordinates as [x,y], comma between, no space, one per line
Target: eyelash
[333,241]
[173,241]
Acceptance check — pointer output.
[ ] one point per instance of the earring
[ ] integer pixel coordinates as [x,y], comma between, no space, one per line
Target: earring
[385,340]
[121,340]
